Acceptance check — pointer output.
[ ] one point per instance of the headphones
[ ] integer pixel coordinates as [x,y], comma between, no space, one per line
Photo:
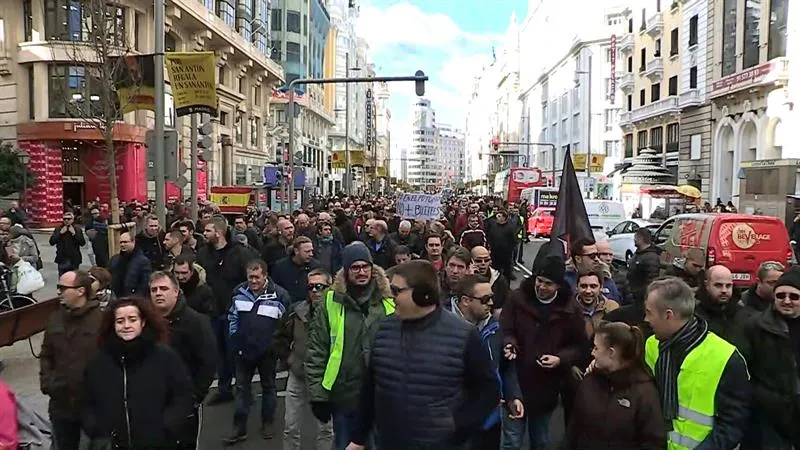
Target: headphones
[423,296]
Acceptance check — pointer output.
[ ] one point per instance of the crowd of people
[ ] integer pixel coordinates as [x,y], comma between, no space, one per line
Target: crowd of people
[407,334]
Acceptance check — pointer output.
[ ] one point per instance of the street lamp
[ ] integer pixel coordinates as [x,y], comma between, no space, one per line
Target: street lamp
[24,158]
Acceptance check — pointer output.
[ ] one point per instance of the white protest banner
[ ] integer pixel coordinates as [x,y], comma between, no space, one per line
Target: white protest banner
[420,206]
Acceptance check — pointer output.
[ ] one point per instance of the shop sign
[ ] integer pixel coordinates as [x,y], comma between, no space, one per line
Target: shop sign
[83,126]
[741,80]
[72,179]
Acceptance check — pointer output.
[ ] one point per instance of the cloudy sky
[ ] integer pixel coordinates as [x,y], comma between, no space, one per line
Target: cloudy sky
[449,40]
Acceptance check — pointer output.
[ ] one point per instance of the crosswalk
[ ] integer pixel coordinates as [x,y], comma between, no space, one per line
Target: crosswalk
[280,381]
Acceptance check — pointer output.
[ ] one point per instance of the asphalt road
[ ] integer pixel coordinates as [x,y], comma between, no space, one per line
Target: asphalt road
[22,369]
[218,420]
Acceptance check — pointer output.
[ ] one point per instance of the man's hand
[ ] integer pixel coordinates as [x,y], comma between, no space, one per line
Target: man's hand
[549,361]
[516,409]
[510,352]
[354,446]
[64,229]
[590,368]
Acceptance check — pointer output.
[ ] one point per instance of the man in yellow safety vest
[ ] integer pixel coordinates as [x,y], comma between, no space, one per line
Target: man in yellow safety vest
[702,379]
[340,333]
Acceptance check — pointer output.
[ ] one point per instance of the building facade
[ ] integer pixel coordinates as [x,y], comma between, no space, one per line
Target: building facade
[651,82]
[478,128]
[751,105]
[383,133]
[423,169]
[571,98]
[696,51]
[50,96]
[450,151]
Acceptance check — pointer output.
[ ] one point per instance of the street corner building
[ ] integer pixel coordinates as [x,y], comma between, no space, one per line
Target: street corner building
[52,96]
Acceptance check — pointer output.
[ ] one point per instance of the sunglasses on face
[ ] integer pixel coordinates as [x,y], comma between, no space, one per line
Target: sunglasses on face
[793,296]
[64,287]
[591,255]
[481,260]
[485,300]
[317,287]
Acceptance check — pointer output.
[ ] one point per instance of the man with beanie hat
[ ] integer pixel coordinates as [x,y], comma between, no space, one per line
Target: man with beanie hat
[339,336]
[545,334]
[771,345]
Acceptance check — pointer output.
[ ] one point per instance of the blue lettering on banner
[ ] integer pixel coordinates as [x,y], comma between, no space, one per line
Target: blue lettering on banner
[420,206]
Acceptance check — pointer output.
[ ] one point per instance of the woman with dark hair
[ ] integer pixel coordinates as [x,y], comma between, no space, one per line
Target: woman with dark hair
[617,404]
[138,393]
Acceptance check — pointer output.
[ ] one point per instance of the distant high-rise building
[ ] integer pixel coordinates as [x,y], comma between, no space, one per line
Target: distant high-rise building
[451,152]
[436,158]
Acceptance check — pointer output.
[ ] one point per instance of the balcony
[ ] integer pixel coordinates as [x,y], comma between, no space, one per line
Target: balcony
[655,25]
[664,106]
[654,69]
[625,119]
[690,98]
[625,44]
[625,82]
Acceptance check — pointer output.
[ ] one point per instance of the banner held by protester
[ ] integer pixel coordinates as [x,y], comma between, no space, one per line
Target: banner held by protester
[420,206]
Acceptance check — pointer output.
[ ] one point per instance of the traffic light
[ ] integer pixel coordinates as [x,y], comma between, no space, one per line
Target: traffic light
[419,84]
[204,139]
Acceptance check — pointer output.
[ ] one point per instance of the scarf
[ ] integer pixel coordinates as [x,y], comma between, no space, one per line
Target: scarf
[672,352]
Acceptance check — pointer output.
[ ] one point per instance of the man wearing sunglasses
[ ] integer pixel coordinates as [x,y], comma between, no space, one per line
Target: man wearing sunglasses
[584,257]
[770,345]
[359,299]
[291,342]
[475,305]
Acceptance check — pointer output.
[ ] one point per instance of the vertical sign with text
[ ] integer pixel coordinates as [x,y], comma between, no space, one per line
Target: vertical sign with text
[613,88]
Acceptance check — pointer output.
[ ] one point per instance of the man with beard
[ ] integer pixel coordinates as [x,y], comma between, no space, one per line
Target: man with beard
[473,236]
[482,265]
[404,236]
[277,247]
[193,286]
[151,243]
[725,317]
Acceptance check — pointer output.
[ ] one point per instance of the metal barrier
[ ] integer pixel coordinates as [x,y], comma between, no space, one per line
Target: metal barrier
[21,323]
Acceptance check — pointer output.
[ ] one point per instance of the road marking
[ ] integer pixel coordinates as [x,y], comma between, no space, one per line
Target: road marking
[256,378]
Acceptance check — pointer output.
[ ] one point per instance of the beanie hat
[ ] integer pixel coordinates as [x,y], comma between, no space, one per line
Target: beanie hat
[789,278]
[552,268]
[355,251]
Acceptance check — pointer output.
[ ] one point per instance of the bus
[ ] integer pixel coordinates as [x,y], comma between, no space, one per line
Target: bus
[509,183]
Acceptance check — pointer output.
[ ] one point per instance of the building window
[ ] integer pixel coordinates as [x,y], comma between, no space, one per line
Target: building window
[242,84]
[629,145]
[305,25]
[693,30]
[695,146]
[643,65]
[729,10]
[32,96]
[752,33]
[74,91]
[610,148]
[293,22]
[630,25]
[673,131]
[777,28]
[223,118]
[608,55]
[244,20]
[642,97]
[657,51]
[611,117]
[27,17]
[292,52]
[241,174]
[170,45]
[657,139]
[674,43]
[253,132]
[237,125]
[629,102]
[641,140]
[673,86]
[693,78]
[275,21]
[655,92]
[630,64]
[226,12]
[70,20]
[257,95]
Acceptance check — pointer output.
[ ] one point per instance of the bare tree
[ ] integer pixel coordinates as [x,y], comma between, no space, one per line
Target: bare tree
[103,75]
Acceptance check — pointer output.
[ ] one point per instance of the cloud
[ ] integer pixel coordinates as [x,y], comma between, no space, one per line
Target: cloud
[403,38]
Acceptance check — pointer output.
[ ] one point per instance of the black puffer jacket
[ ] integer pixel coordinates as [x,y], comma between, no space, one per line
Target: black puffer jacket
[153,248]
[138,394]
[130,274]
[226,268]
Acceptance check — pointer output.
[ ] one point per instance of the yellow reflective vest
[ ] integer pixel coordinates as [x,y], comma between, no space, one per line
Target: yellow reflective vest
[336,315]
[697,386]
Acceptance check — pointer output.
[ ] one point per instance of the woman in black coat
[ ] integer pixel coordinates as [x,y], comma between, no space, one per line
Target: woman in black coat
[138,393]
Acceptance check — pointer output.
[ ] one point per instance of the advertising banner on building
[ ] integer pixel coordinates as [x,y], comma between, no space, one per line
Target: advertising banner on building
[420,206]
[368,137]
[579,161]
[193,78]
[134,79]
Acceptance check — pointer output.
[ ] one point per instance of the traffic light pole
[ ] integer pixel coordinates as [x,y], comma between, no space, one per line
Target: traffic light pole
[158,129]
[419,78]
[193,169]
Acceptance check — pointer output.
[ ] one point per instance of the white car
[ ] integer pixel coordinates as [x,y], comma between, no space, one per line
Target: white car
[621,237]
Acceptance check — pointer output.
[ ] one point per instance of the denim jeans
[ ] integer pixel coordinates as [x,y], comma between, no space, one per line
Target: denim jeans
[244,395]
[538,432]
[225,364]
[342,424]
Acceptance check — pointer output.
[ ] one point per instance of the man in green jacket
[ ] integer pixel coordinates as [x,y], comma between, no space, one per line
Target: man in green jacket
[340,333]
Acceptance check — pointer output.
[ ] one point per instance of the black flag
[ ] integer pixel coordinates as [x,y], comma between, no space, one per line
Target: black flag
[571,221]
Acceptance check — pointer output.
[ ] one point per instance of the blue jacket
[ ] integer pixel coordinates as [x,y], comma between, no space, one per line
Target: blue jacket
[492,339]
[254,317]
